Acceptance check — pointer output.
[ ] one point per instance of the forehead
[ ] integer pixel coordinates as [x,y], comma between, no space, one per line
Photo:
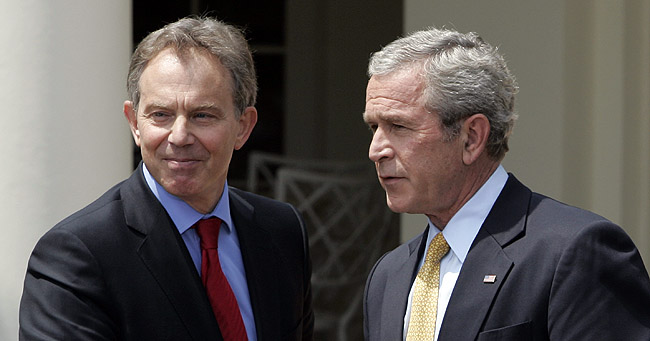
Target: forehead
[394,94]
[194,73]
[171,63]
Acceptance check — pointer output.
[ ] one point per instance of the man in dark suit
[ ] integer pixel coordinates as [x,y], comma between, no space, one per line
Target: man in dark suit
[136,264]
[496,261]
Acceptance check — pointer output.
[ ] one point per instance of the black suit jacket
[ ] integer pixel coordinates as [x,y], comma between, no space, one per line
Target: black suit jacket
[118,269]
[562,273]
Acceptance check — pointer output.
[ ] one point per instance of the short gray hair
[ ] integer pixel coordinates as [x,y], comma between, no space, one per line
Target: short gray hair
[464,76]
[223,41]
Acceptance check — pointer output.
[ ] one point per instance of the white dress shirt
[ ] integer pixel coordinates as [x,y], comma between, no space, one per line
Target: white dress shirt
[459,233]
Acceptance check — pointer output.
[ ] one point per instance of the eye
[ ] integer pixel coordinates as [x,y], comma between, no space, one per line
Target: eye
[159,116]
[203,116]
[398,127]
[372,128]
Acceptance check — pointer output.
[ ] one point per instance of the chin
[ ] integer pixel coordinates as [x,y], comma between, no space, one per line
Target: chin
[395,206]
[180,188]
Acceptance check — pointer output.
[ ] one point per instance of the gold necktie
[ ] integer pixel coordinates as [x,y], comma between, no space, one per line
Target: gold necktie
[424,304]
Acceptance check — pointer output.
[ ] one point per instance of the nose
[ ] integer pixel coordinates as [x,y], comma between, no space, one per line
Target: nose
[380,148]
[180,134]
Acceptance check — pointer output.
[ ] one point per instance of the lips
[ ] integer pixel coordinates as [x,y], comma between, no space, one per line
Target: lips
[388,180]
[382,175]
[181,163]
[180,159]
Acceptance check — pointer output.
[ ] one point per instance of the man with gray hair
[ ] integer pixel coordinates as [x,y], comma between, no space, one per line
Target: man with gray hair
[173,252]
[496,260]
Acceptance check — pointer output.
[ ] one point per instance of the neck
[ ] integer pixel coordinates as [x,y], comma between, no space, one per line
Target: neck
[476,176]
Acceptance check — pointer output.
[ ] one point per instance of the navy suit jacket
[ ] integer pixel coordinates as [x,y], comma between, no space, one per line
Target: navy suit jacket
[119,270]
[562,273]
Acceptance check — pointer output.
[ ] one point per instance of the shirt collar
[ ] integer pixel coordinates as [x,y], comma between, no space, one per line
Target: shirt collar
[465,224]
[182,214]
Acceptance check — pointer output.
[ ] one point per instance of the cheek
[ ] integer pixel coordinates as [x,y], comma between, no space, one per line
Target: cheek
[217,143]
[151,138]
[425,167]
[414,157]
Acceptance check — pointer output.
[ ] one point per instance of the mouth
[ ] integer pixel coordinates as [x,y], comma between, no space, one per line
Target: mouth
[389,179]
[179,163]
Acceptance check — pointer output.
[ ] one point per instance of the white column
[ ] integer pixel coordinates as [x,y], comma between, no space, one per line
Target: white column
[63,136]
[608,109]
[635,210]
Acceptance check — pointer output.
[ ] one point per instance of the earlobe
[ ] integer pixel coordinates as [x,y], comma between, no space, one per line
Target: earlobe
[247,122]
[130,115]
[475,131]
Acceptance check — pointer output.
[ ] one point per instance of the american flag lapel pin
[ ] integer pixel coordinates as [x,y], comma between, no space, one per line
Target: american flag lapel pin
[490,279]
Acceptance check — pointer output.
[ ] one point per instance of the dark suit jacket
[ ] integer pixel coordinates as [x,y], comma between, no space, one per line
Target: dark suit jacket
[562,273]
[118,269]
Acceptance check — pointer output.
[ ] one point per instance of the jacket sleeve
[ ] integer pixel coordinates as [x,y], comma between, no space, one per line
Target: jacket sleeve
[64,293]
[601,289]
[308,311]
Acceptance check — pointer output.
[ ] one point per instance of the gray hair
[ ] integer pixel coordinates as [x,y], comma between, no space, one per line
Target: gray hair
[223,41]
[464,76]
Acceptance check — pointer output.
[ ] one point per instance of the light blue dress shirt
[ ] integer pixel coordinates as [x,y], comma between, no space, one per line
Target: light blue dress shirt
[184,216]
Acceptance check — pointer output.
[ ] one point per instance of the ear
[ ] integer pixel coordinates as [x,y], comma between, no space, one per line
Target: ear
[131,117]
[246,123]
[474,133]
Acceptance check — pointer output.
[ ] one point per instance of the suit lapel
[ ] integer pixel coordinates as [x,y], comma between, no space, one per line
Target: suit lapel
[472,298]
[163,252]
[260,262]
[398,286]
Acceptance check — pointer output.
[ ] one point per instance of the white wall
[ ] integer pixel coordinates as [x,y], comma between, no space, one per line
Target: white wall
[583,69]
[62,71]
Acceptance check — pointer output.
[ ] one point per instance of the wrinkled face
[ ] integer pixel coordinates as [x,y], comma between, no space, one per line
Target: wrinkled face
[417,168]
[186,125]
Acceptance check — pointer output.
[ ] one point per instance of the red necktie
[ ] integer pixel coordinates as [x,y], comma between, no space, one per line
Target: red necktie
[222,299]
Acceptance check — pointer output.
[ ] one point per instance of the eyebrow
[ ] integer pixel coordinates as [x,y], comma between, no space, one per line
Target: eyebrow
[387,117]
[167,106]
[207,106]
[363,115]
[152,106]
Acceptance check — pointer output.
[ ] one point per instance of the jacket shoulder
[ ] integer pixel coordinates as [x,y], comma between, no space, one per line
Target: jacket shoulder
[98,211]
[273,213]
